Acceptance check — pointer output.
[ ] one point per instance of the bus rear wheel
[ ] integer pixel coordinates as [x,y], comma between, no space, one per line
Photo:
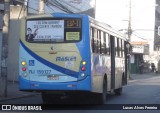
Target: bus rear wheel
[118,91]
[101,97]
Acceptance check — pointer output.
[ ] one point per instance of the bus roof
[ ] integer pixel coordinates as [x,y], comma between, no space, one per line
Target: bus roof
[107,28]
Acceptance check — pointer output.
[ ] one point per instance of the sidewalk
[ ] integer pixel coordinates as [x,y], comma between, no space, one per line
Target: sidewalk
[14,93]
[144,75]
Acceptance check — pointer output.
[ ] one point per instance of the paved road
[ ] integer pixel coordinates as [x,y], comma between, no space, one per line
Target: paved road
[140,91]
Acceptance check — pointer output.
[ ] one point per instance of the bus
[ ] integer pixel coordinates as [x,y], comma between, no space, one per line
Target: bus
[64,54]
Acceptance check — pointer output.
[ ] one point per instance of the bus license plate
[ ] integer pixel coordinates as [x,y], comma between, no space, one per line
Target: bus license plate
[53,77]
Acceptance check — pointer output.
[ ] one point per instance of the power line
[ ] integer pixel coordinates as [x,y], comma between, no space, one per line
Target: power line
[139,36]
[58,5]
[33,9]
[50,7]
[64,7]
[73,7]
[54,5]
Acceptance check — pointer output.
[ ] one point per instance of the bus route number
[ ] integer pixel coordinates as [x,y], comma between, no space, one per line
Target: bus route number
[73,23]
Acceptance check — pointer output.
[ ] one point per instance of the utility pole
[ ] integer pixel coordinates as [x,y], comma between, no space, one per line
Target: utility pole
[129,22]
[41,6]
[5,48]
[129,38]
[26,7]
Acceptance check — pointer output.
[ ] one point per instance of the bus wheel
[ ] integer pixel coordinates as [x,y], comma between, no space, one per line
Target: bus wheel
[50,98]
[123,80]
[118,91]
[102,96]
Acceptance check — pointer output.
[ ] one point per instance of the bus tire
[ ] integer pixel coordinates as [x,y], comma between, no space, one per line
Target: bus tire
[123,80]
[101,97]
[118,91]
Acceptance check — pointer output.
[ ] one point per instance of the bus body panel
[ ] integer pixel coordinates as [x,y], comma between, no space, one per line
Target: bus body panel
[100,67]
[58,66]
[66,63]
[119,67]
[111,62]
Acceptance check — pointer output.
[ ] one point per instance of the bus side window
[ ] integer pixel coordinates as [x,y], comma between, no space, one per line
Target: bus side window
[118,48]
[115,42]
[95,41]
[122,48]
[103,43]
[92,39]
[98,41]
[107,44]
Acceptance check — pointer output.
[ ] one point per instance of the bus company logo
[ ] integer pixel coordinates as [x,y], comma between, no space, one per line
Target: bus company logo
[31,63]
[67,58]
[6,107]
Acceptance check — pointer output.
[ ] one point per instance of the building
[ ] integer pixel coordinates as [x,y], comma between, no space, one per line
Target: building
[139,49]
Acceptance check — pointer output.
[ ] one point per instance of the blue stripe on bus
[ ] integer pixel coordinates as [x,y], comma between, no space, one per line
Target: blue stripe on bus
[49,64]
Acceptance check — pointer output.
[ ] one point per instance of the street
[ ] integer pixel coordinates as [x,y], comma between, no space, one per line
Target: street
[141,90]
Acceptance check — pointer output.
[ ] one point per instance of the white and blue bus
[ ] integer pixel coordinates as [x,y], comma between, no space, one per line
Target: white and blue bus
[71,53]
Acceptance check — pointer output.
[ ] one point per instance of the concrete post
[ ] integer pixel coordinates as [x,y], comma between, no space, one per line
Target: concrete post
[3,78]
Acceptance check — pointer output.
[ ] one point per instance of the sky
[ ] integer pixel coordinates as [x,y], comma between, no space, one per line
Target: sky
[116,14]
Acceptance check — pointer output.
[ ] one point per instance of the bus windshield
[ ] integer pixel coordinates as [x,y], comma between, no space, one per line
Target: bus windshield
[53,30]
